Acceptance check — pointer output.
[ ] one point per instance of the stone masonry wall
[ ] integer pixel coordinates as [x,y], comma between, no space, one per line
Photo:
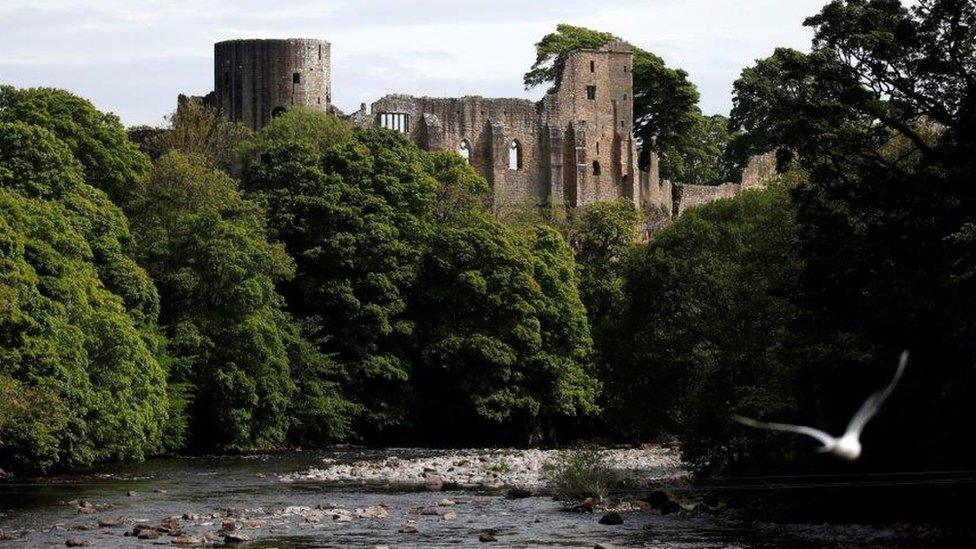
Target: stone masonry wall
[256,79]
[488,127]
[575,146]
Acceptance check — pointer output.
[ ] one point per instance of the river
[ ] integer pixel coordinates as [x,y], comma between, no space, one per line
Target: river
[45,512]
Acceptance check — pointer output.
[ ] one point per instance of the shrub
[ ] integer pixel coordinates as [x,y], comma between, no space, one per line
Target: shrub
[579,474]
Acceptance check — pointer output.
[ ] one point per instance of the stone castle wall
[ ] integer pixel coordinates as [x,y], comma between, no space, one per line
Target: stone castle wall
[574,147]
[677,198]
[256,79]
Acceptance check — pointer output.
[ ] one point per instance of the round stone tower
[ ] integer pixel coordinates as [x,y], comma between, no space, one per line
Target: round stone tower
[254,80]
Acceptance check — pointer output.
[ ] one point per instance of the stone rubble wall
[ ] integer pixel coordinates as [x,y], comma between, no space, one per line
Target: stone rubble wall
[675,198]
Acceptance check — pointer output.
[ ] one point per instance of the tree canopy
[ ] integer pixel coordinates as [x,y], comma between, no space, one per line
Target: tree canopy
[97,140]
[78,369]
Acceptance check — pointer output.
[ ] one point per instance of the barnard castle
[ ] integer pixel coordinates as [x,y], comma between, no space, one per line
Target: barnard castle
[574,147]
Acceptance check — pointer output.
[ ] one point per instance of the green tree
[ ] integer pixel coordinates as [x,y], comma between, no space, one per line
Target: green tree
[665,101]
[602,238]
[97,140]
[195,129]
[78,371]
[503,338]
[355,211]
[37,164]
[373,221]
[700,157]
[882,115]
[707,320]
[232,343]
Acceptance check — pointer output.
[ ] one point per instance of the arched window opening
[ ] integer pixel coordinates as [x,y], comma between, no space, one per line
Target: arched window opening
[464,149]
[515,156]
[278,111]
[596,167]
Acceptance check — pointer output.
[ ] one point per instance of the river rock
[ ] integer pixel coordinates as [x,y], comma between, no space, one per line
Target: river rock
[433,483]
[446,502]
[663,502]
[148,533]
[449,515]
[604,546]
[487,468]
[487,537]
[253,522]
[408,529]
[86,508]
[106,522]
[376,511]
[236,538]
[612,518]
[77,542]
[170,525]
[188,539]
[228,525]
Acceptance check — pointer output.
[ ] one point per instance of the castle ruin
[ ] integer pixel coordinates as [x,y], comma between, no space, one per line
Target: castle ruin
[570,149]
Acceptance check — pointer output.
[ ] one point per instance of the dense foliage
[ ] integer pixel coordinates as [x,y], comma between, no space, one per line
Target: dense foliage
[78,374]
[882,115]
[97,140]
[232,346]
[502,334]
[195,128]
[427,302]
[603,237]
[700,155]
[706,323]
[793,304]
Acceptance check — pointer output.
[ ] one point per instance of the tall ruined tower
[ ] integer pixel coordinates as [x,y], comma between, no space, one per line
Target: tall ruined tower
[594,101]
[254,80]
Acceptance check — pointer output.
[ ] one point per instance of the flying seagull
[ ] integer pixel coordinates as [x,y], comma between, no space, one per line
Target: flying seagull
[847,446]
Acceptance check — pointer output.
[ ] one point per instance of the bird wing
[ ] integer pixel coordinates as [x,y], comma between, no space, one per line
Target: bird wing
[823,437]
[874,402]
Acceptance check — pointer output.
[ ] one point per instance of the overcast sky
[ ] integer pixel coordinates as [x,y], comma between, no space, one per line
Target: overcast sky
[133,57]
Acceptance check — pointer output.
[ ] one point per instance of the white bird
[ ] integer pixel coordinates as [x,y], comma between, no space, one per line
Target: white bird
[848,446]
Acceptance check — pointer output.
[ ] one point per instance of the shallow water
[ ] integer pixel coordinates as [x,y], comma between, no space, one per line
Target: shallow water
[41,513]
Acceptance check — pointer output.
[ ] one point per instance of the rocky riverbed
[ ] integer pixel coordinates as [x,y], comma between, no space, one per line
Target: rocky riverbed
[277,501]
[485,468]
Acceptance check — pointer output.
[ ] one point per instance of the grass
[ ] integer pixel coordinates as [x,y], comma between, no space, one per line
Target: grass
[579,474]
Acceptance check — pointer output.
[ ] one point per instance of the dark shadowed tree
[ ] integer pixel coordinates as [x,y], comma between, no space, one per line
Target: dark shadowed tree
[882,115]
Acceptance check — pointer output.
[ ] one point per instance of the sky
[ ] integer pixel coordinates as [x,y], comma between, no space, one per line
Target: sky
[133,57]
